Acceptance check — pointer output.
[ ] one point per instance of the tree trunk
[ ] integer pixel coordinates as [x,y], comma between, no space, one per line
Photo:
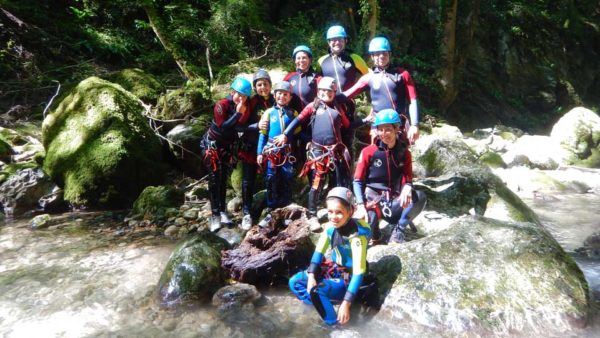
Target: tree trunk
[160,29]
[372,18]
[448,52]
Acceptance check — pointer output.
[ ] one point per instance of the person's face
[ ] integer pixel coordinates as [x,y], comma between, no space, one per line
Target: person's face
[302,61]
[337,45]
[263,87]
[238,97]
[326,95]
[388,134]
[381,59]
[337,212]
[282,98]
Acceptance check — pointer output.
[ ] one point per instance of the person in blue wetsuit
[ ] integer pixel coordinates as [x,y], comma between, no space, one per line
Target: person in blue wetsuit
[341,281]
[278,159]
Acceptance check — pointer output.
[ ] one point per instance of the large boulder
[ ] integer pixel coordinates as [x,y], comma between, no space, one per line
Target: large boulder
[193,271]
[267,255]
[457,183]
[192,99]
[482,275]
[141,84]
[578,132]
[542,152]
[184,145]
[22,191]
[157,200]
[99,146]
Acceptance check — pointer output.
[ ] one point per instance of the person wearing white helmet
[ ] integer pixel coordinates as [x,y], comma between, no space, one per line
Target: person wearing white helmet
[341,278]
[383,180]
[390,87]
[346,68]
[327,156]
[217,145]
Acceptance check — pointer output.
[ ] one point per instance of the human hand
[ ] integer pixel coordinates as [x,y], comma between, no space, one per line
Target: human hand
[406,196]
[280,140]
[263,124]
[343,315]
[413,134]
[259,159]
[312,282]
[361,212]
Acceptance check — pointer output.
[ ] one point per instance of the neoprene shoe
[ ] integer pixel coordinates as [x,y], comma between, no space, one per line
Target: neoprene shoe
[397,236]
[265,221]
[246,222]
[215,223]
[225,219]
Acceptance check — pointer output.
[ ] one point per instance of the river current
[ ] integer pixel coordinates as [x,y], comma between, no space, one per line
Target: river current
[75,280]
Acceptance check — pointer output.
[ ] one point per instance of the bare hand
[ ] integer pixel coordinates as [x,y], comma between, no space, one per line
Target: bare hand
[406,196]
[361,212]
[343,315]
[259,159]
[263,124]
[312,282]
[413,134]
[280,140]
[240,103]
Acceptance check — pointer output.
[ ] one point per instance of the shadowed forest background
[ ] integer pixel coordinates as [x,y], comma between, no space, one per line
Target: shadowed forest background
[476,63]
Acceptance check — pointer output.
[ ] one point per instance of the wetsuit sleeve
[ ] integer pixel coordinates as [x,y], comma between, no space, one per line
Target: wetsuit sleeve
[360,64]
[408,172]
[344,119]
[288,76]
[262,136]
[305,114]
[320,249]
[360,175]
[319,68]
[358,87]
[358,246]
[220,112]
[411,93]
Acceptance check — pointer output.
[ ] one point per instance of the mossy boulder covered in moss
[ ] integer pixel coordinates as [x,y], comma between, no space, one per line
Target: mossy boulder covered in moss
[99,146]
[193,271]
[578,132]
[492,159]
[184,145]
[192,99]
[157,200]
[141,84]
[482,275]
[457,183]
[535,151]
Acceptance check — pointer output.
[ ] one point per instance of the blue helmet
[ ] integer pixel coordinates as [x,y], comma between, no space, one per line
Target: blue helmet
[379,44]
[386,116]
[302,48]
[242,86]
[336,32]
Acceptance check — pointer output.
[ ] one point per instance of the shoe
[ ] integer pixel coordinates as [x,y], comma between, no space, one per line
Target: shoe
[246,222]
[397,236]
[313,224]
[225,219]
[215,223]
[265,221]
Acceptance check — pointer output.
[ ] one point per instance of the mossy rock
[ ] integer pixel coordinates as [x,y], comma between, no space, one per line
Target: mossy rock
[193,271]
[492,159]
[193,99]
[184,145]
[156,200]
[5,151]
[99,146]
[578,132]
[141,84]
[461,278]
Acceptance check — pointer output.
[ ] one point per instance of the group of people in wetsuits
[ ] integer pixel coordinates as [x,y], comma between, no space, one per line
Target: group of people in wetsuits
[310,117]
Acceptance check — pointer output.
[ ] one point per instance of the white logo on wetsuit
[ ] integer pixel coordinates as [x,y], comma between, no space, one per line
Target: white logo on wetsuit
[377,163]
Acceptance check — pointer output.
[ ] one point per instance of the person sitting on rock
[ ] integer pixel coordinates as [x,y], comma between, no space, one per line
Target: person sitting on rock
[383,180]
[218,146]
[338,279]
[278,159]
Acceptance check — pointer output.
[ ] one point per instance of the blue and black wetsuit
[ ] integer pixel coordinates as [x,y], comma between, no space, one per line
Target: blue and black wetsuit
[349,258]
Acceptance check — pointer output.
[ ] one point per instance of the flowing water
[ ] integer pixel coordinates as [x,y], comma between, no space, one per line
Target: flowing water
[79,280]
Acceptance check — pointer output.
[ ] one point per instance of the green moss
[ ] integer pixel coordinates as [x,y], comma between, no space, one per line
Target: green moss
[505,135]
[158,200]
[12,168]
[193,99]
[139,83]
[493,160]
[593,161]
[5,149]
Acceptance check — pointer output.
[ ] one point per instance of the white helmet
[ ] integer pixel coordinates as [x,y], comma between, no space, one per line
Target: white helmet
[327,83]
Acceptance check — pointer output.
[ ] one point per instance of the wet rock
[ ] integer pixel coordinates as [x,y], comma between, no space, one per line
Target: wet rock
[236,302]
[232,236]
[155,200]
[267,255]
[191,214]
[99,146]
[536,151]
[40,221]
[578,132]
[184,141]
[457,183]
[22,191]
[172,231]
[591,247]
[234,205]
[193,271]
[482,275]
[54,202]
[180,221]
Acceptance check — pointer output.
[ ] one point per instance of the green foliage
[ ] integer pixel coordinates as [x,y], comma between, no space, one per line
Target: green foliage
[157,199]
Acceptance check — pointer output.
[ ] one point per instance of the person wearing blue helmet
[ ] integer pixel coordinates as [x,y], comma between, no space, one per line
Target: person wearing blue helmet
[304,79]
[346,68]
[341,278]
[390,87]
[383,180]
[218,146]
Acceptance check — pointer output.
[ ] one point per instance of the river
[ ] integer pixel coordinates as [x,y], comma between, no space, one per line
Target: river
[81,278]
